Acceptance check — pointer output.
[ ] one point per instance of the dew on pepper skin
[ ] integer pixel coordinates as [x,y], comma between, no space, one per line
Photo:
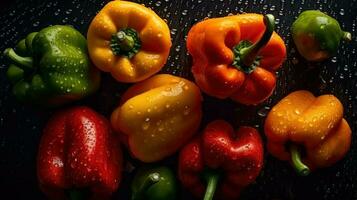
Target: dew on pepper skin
[145,126]
[187,110]
[323,186]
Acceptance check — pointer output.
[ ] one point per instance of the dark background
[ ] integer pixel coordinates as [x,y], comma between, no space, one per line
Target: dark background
[20,126]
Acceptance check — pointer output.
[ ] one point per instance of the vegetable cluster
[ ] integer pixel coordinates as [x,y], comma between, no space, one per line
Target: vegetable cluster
[160,115]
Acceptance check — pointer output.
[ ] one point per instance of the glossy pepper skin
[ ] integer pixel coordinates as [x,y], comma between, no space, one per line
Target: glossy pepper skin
[157,116]
[224,158]
[154,183]
[226,64]
[51,67]
[78,152]
[128,40]
[315,124]
[317,36]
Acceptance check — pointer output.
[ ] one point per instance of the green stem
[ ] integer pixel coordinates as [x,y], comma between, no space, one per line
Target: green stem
[347,36]
[125,41]
[25,63]
[148,182]
[299,166]
[212,180]
[248,55]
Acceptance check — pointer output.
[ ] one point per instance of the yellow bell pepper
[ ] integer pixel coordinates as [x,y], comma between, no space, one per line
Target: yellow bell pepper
[157,116]
[301,121]
[128,40]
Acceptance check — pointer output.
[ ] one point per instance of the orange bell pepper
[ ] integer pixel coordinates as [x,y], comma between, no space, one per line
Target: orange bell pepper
[236,56]
[315,123]
[157,116]
[128,40]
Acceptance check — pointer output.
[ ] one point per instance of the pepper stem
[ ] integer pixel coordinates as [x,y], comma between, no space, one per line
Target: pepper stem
[25,63]
[347,36]
[125,42]
[212,180]
[299,166]
[246,54]
[148,182]
[249,54]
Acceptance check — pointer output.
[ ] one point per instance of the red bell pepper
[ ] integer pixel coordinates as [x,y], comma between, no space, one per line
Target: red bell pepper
[221,157]
[77,153]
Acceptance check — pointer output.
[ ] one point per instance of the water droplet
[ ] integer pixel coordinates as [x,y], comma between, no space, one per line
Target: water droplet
[158,3]
[334,59]
[68,11]
[178,47]
[187,110]
[36,24]
[184,12]
[263,111]
[173,31]
[342,11]
[338,174]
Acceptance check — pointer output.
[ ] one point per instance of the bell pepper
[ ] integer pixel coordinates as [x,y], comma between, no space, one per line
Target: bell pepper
[51,67]
[79,156]
[154,183]
[309,131]
[128,40]
[224,159]
[157,116]
[317,35]
[236,56]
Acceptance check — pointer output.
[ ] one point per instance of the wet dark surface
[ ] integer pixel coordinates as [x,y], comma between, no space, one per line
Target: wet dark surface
[20,126]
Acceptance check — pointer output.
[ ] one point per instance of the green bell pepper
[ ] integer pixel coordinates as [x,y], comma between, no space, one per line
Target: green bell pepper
[154,183]
[52,67]
[317,35]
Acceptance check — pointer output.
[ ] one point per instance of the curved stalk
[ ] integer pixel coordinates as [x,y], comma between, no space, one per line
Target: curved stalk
[148,182]
[25,63]
[299,166]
